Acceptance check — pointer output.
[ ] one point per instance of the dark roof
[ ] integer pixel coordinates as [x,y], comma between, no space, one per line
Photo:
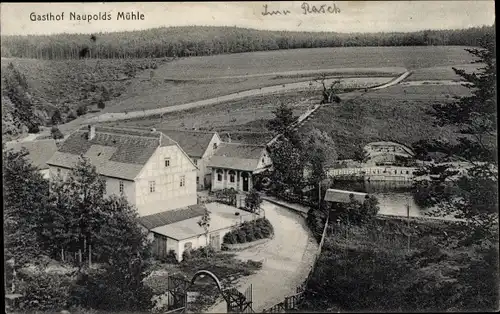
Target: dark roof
[172,216]
[115,152]
[39,151]
[237,156]
[342,196]
[194,143]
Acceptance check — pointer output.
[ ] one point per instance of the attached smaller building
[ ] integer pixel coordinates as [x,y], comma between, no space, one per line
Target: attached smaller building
[39,152]
[179,230]
[234,165]
[200,147]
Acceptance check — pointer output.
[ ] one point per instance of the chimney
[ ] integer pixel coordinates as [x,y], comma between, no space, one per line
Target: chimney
[91,133]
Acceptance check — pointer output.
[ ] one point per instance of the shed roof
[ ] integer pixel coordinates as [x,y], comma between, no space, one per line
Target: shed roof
[237,156]
[343,196]
[39,152]
[172,216]
[222,217]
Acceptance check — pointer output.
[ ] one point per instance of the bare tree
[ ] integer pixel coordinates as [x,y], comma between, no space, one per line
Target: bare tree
[330,92]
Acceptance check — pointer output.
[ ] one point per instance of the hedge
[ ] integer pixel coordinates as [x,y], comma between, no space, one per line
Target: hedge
[250,231]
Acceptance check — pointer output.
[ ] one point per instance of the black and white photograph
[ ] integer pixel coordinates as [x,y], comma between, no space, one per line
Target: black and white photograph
[249,157]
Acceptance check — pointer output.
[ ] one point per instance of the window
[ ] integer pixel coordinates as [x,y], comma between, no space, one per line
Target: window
[263,160]
[231,176]
[215,145]
[197,180]
[195,162]
[121,187]
[59,171]
[219,175]
[152,186]
[167,162]
[407,171]
[188,246]
[183,181]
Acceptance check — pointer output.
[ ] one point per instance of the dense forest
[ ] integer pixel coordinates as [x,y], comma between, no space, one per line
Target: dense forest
[201,40]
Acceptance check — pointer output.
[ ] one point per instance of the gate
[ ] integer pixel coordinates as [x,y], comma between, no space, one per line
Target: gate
[178,288]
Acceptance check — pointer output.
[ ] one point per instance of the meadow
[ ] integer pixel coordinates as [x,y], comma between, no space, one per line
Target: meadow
[397,113]
[263,62]
[137,84]
[242,120]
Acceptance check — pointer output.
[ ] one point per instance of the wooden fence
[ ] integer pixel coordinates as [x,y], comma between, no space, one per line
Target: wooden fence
[292,302]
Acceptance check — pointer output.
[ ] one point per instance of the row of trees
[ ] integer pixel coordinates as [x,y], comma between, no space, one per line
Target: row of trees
[473,197]
[203,40]
[68,216]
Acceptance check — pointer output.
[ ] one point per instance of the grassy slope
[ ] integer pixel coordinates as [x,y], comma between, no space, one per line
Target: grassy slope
[389,114]
[67,84]
[243,119]
[370,269]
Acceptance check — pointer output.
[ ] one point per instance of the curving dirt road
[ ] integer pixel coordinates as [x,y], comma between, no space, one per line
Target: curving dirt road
[287,259]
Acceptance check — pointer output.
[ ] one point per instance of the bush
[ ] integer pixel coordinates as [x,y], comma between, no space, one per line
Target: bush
[71,116]
[81,110]
[105,290]
[101,104]
[56,133]
[250,231]
[34,129]
[44,292]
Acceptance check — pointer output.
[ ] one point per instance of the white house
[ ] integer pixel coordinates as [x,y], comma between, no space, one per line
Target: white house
[386,152]
[149,168]
[234,165]
[39,152]
[200,146]
[178,230]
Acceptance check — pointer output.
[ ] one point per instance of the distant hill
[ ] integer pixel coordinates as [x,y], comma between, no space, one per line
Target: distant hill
[203,40]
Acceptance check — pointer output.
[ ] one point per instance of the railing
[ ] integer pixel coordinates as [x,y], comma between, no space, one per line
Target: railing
[292,302]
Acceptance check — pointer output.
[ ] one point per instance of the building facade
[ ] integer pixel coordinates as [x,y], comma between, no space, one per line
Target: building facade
[235,165]
[200,146]
[147,167]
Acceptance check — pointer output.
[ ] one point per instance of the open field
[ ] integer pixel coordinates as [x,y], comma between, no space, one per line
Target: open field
[314,59]
[441,72]
[140,84]
[245,120]
[395,113]
[385,115]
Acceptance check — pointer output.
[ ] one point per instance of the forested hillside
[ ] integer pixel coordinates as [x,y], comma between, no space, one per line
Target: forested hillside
[202,40]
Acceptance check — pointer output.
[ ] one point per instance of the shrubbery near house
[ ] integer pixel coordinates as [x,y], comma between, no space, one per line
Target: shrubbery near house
[250,231]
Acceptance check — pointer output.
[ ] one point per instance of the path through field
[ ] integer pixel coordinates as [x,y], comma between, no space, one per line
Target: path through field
[287,259]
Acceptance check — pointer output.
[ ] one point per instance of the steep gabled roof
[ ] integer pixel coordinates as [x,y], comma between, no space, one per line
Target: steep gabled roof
[39,152]
[194,143]
[116,152]
[237,156]
[172,216]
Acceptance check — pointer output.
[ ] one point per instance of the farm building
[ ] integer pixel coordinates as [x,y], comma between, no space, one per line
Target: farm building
[149,168]
[234,165]
[179,230]
[39,152]
[200,146]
